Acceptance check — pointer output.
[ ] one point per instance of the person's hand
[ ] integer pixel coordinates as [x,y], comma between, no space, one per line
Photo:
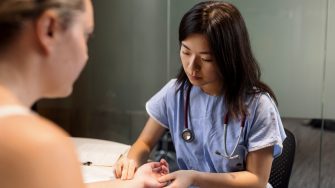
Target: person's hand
[180,179]
[125,168]
[164,167]
[147,175]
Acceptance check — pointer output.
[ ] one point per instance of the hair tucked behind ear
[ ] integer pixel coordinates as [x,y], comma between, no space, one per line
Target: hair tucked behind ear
[13,13]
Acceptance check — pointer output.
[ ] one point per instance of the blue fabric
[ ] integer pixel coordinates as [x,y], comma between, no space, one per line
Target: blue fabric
[263,128]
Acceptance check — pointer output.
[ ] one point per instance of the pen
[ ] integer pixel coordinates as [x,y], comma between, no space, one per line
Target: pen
[89,163]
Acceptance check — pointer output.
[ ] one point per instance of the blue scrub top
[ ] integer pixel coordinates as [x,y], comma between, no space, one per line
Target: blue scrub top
[263,128]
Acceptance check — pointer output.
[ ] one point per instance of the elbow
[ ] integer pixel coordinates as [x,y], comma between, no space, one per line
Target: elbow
[259,182]
[262,183]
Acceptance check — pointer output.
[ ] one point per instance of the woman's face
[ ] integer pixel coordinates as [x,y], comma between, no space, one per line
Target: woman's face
[70,54]
[199,64]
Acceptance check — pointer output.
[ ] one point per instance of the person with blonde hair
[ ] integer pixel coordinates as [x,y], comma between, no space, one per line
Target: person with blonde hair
[43,48]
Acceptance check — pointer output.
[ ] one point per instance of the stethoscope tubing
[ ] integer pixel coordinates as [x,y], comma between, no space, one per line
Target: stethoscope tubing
[188,135]
[230,156]
[187,104]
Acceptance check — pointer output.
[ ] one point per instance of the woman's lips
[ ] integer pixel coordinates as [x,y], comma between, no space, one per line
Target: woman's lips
[194,77]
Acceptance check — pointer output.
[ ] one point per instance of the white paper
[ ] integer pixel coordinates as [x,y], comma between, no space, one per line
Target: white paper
[102,154]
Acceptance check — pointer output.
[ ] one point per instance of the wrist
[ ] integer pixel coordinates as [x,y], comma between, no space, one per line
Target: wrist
[135,183]
[195,176]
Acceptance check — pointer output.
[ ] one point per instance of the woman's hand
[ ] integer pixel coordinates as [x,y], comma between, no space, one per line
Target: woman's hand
[125,168]
[147,175]
[180,179]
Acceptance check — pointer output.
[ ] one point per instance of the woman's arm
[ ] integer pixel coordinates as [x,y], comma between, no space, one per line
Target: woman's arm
[256,175]
[140,150]
[146,176]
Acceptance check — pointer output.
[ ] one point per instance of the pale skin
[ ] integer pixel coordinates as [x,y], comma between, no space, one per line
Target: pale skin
[34,152]
[200,67]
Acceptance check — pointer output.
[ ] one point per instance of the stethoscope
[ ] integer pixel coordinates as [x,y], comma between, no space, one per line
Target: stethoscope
[188,135]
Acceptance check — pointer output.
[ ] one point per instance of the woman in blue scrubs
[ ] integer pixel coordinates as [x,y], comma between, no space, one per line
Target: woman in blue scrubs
[223,119]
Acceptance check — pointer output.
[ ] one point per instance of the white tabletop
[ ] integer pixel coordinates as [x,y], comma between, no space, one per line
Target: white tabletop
[102,154]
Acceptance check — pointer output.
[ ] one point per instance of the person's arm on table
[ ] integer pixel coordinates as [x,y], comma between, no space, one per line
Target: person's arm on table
[146,176]
[140,150]
[256,175]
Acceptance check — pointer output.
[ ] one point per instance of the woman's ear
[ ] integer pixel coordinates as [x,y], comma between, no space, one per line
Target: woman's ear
[46,27]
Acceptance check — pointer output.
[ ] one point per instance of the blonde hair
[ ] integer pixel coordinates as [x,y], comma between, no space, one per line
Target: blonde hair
[13,13]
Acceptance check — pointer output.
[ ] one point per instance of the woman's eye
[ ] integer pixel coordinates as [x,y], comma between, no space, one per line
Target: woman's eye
[185,52]
[206,60]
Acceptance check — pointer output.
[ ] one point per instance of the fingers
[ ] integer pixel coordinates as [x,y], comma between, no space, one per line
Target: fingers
[131,169]
[128,170]
[167,178]
[118,169]
[164,162]
[159,167]
[125,169]
[164,170]
[155,164]
[165,166]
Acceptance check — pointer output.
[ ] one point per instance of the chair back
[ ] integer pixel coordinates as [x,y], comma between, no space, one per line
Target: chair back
[282,165]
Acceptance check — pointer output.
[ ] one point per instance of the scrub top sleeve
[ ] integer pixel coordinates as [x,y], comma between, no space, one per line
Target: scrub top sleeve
[267,128]
[156,107]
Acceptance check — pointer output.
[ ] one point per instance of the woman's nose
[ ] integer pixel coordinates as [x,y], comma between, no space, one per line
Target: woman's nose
[194,64]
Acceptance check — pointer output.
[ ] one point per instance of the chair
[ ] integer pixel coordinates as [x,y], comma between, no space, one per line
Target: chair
[165,149]
[282,165]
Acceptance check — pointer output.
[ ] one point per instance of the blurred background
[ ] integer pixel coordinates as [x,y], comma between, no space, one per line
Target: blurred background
[134,52]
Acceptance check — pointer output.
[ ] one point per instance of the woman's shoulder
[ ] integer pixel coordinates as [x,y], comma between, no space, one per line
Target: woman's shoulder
[262,104]
[31,129]
[32,146]
[169,89]
[172,85]
[261,99]
[20,135]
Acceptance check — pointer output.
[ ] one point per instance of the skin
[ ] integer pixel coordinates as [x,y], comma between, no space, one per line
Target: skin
[34,152]
[201,69]
[199,64]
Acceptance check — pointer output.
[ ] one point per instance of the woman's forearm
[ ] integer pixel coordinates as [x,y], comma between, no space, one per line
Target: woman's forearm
[114,183]
[256,176]
[243,179]
[149,137]
[139,152]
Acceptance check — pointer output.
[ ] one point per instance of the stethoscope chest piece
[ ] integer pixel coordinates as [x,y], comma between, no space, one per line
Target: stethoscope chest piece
[187,135]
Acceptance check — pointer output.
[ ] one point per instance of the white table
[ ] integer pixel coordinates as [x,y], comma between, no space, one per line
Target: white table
[102,154]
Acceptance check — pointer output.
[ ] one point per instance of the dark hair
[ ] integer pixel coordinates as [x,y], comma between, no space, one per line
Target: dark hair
[228,38]
[13,14]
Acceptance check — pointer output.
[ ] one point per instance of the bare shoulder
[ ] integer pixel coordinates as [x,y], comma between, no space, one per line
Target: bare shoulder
[30,130]
[37,149]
